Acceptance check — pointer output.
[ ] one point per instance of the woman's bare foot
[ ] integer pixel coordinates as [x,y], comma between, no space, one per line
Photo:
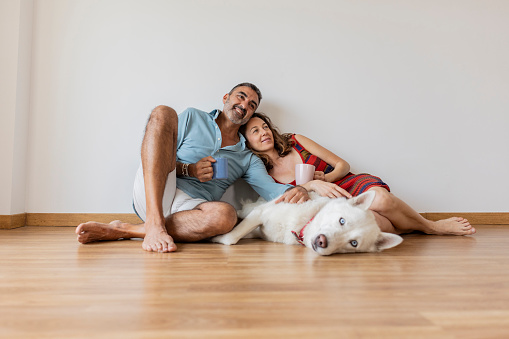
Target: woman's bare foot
[94,231]
[451,226]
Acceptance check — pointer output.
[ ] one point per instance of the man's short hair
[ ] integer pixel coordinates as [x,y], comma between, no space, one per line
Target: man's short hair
[250,85]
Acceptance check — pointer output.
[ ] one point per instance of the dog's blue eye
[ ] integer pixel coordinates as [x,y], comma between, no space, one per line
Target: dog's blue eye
[354,243]
[342,221]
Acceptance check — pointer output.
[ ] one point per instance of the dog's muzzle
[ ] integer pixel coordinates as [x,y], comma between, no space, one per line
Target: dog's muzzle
[320,241]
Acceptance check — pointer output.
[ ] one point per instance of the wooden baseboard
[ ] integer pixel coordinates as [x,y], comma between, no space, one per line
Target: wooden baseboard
[8,222]
[74,219]
[474,218]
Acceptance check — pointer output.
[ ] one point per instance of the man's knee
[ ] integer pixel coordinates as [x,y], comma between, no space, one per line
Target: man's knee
[221,217]
[163,115]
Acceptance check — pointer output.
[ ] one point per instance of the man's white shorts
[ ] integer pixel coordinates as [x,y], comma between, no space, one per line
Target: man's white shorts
[174,199]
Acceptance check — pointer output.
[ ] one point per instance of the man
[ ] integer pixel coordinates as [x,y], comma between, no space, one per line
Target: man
[174,193]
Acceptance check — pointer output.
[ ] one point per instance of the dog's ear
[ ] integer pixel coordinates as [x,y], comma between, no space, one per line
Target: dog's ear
[363,200]
[387,240]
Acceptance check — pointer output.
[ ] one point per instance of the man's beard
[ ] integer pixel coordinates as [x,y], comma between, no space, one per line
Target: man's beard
[233,116]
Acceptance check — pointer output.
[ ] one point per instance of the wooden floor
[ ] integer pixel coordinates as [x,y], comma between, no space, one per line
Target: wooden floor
[428,287]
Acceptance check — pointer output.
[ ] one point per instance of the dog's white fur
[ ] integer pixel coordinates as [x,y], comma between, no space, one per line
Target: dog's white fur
[339,225]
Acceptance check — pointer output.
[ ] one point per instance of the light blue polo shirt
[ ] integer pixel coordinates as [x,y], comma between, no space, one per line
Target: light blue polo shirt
[198,137]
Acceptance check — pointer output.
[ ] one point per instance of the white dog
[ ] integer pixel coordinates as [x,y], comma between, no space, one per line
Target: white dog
[325,225]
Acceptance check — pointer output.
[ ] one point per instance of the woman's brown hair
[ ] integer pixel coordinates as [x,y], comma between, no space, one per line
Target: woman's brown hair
[282,142]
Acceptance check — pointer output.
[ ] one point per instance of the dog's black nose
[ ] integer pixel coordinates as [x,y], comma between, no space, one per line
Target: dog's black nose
[321,241]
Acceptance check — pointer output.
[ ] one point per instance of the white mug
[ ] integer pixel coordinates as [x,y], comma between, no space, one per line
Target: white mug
[304,173]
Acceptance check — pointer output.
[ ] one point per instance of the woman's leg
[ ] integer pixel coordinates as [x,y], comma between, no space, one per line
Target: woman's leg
[384,224]
[405,219]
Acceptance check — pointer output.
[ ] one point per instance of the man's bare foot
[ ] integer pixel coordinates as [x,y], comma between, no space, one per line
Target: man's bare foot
[153,241]
[95,231]
[451,226]
[158,240]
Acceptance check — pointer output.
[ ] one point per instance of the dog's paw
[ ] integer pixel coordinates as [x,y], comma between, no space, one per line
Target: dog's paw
[224,239]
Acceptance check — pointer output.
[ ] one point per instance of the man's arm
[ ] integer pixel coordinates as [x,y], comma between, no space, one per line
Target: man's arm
[257,176]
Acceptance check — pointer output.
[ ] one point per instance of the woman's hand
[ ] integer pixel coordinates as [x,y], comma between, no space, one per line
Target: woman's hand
[327,189]
[319,175]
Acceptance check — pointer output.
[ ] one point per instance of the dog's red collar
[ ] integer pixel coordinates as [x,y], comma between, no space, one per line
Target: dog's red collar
[300,236]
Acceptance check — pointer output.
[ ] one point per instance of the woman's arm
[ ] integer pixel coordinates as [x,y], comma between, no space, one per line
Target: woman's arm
[341,167]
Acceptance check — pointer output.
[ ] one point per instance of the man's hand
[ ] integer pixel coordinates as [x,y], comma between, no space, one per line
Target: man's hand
[296,195]
[202,170]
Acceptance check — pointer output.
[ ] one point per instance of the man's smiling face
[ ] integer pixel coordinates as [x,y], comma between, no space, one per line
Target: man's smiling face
[240,105]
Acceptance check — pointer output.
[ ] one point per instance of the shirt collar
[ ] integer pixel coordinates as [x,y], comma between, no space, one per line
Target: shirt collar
[215,113]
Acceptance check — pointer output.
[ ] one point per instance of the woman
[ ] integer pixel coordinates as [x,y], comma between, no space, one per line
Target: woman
[281,152]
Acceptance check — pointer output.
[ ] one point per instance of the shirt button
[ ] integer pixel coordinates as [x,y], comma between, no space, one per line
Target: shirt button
[218,138]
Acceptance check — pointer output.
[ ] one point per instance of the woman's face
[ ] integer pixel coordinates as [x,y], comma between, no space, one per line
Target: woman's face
[259,135]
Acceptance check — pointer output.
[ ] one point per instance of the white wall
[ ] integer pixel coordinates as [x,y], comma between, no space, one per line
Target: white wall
[15,61]
[415,92]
